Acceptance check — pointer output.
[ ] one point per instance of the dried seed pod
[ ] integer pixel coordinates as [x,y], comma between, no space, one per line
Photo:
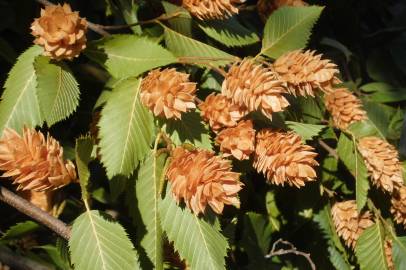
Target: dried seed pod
[168,93]
[381,159]
[221,112]
[33,161]
[41,199]
[398,208]
[266,7]
[255,87]
[344,107]
[348,222]
[200,178]
[237,141]
[284,159]
[388,254]
[305,72]
[60,31]
[212,9]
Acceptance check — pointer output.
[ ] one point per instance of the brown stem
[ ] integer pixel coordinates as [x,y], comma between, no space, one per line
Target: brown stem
[17,262]
[95,27]
[291,250]
[330,150]
[34,212]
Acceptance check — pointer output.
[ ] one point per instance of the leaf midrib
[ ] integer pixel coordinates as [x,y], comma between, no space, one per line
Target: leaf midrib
[97,239]
[204,241]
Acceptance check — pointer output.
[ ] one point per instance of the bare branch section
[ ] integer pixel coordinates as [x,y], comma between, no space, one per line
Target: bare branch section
[17,262]
[291,249]
[34,212]
[95,27]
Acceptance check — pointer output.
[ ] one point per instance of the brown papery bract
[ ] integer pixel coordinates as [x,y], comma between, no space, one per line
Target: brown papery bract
[348,222]
[41,199]
[168,93]
[284,159]
[200,178]
[381,159]
[60,31]
[251,85]
[398,207]
[212,9]
[305,72]
[344,107]
[34,162]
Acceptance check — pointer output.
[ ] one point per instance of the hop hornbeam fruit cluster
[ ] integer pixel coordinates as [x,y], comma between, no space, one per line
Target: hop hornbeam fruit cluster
[388,254]
[212,9]
[35,164]
[200,178]
[267,7]
[60,31]
[349,223]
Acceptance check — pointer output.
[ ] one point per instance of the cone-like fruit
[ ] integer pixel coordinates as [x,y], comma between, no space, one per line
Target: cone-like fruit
[398,208]
[284,159]
[200,178]
[388,254]
[237,141]
[212,9]
[255,87]
[41,199]
[168,93]
[220,112]
[60,31]
[381,159]
[4,267]
[266,7]
[344,107]
[349,223]
[305,72]
[33,161]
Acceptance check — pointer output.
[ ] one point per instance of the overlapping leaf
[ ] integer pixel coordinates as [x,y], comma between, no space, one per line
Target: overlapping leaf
[99,243]
[83,150]
[288,28]
[57,90]
[196,240]
[126,129]
[306,131]
[19,104]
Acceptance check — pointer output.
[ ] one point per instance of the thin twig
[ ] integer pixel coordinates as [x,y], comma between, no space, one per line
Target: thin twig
[330,150]
[163,17]
[17,262]
[34,212]
[93,26]
[291,250]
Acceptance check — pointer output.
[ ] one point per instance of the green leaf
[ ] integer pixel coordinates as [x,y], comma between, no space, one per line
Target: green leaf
[399,252]
[229,32]
[195,51]
[19,230]
[197,240]
[99,243]
[147,190]
[394,95]
[129,55]
[57,90]
[126,129]
[188,130]
[288,28]
[363,128]
[55,257]
[379,115]
[19,103]
[181,23]
[306,131]
[369,249]
[376,86]
[83,152]
[337,260]
[348,154]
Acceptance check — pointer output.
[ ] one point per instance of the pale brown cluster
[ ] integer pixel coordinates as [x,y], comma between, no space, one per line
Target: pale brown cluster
[200,178]
[220,112]
[237,141]
[381,159]
[284,159]
[266,7]
[4,267]
[60,31]
[306,73]
[344,107]
[255,87]
[41,199]
[388,254]
[348,222]
[168,93]
[212,9]
[33,161]
[398,208]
